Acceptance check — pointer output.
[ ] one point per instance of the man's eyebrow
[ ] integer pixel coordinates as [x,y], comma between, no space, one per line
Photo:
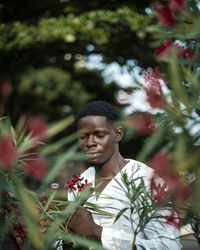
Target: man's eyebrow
[100,130]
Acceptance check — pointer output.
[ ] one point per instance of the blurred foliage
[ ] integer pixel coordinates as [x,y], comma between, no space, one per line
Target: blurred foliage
[70,26]
[173,147]
[52,91]
[36,219]
[59,36]
[44,46]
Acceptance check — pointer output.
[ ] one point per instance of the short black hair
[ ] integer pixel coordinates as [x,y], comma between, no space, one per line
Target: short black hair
[99,108]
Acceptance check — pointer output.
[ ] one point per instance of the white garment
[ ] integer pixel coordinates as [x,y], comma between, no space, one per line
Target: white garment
[119,236]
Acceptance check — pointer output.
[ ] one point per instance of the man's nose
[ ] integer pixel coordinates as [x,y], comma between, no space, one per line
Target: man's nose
[90,141]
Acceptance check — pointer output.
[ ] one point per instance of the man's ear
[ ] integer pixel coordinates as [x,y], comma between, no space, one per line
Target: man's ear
[119,134]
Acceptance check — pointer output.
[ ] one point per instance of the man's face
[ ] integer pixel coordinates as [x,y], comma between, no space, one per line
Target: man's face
[97,139]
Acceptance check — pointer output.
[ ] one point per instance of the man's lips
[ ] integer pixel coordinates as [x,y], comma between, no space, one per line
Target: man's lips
[92,155]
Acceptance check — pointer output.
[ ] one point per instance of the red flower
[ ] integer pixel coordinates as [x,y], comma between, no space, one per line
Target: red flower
[143,122]
[82,186]
[172,219]
[175,188]
[19,231]
[5,195]
[76,183]
[186,53]
[37,126]
[12,206]
[165,49]
[70,186]
[35,167]
[43,201]
[159,192]
[165,14]
[8,152]
[153,89]
[175,4]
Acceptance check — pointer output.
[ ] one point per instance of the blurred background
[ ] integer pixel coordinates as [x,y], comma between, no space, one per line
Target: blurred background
[55,56]
[58,55]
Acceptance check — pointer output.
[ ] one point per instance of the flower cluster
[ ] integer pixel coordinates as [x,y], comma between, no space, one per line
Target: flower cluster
[153,88]
[167,13]
[43,203]
[37,126]
[174,188]
[35,167]
[9,207]
[75,183]
[166,49]
[143,122]
[19,230]
[20,152]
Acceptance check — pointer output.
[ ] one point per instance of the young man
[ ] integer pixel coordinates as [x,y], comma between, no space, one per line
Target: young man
[99,136]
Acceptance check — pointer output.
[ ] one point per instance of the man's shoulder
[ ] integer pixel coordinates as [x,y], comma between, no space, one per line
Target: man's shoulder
[89,171]
[140,167]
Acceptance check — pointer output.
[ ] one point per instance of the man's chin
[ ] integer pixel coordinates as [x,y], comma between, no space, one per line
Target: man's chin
[94,162]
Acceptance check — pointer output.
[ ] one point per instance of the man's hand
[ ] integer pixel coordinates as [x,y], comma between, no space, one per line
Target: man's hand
[82,223]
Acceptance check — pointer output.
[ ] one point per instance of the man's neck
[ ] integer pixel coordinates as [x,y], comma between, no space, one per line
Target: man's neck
[107,171]
[110,168]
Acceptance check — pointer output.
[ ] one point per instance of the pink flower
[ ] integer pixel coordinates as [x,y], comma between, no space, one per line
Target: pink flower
[123,96]
[37,126]
[5,88]
[153,88]
[174,188]
[35,167]
[184,192]
[176,4]
[165,14]
[143,122]
[75,183]
[161,163]
[8,152]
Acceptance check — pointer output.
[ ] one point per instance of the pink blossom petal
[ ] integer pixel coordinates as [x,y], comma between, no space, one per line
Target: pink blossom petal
[35,167]
[8,152]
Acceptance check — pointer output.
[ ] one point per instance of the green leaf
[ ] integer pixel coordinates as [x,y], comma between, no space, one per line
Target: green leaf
[97,209]
[151,144]
[52,148]
[119,214]
[57,127]
[176,81]
[29,215]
